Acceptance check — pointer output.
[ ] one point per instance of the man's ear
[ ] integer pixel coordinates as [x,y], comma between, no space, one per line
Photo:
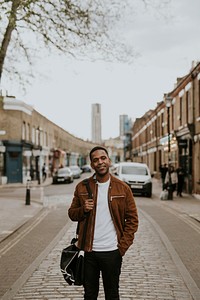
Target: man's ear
[110,162]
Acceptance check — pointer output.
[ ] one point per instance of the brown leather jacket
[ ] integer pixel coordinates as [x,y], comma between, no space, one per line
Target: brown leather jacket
[122,208]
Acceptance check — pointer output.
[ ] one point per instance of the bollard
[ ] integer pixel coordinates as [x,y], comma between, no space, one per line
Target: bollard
[28,193]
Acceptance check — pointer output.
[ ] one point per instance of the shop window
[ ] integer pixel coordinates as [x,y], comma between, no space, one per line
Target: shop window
[1,164]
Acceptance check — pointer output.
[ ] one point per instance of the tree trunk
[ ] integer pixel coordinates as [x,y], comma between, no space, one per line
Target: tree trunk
[8,32]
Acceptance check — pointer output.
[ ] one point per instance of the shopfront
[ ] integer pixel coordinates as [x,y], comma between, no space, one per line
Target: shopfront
[13,162]
[185,150]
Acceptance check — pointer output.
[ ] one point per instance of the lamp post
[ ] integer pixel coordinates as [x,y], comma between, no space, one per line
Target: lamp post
[168,101]
[39,157]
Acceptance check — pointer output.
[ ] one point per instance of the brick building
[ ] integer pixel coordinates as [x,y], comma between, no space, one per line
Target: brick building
[28,140]
[171,133]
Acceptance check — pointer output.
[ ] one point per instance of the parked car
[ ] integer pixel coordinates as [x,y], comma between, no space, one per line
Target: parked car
[76,170]
[86,168]
[137,176]
[63,175]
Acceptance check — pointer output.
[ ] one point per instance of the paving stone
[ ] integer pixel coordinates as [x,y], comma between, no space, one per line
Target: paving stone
[148,272]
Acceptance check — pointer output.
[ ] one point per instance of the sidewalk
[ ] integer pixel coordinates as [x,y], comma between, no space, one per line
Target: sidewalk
[14,212]
[187,204]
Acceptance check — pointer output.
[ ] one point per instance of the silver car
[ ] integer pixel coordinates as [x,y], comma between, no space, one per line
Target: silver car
[63,175]
[76,170]
[137,176]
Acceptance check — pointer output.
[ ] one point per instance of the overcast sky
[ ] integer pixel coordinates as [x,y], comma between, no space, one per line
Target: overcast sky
[168,41]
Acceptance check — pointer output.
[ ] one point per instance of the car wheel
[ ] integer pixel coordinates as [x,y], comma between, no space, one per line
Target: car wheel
[149,194]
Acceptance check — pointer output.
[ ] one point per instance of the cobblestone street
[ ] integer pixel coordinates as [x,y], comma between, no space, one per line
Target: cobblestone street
[148,272]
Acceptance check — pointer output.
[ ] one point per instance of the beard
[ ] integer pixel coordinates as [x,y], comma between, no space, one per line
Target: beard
[103,173]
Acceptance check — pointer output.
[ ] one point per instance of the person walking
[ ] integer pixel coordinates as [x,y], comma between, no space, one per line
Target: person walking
[163,172]
[32,172]
[174,178]
[112,224]
[44,172]
[181,176]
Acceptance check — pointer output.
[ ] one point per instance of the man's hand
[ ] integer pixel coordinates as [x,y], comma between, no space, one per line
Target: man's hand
[89,205]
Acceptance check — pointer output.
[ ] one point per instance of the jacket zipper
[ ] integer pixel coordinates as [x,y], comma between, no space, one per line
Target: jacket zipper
[93,220]
[110,208]
[111,198]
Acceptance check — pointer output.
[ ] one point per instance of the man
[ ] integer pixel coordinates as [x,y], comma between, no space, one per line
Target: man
[112,223]
[163,171]
[181,176]
[44,172]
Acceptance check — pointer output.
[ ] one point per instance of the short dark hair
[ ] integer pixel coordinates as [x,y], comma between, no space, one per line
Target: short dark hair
[97,148]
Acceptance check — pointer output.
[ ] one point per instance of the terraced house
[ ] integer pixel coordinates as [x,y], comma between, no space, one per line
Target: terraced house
[28,140]
[170,133]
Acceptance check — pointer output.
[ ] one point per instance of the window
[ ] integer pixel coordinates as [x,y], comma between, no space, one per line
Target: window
[33,135]
[181,110]
[23,131]
[172,117]
[187,106]
[199,97]
[27,131]
[134,170]
[162,124]
[1,164]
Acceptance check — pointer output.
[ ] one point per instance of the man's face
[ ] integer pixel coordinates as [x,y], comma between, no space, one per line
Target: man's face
[100,162]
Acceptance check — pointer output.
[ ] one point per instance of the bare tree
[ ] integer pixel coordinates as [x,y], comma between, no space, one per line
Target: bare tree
[69,26]
[74,27]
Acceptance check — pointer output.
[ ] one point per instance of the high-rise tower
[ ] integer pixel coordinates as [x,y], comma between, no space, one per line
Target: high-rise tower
[125,125]
[96,123]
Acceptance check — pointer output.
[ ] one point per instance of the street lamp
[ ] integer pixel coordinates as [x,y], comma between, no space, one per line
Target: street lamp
[38,168]
[168,102]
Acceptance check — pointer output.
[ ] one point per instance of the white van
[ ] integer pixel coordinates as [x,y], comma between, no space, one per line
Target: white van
[137,176]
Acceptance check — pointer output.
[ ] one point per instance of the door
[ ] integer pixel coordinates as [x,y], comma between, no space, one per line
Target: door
[14,166]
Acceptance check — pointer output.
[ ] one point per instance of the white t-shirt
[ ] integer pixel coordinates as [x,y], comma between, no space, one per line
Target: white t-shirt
[105,237]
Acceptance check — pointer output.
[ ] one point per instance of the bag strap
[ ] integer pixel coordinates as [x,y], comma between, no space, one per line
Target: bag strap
[90,195]
[86,183]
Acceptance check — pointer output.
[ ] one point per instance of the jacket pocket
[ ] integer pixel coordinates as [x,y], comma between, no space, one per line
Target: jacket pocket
[117,197]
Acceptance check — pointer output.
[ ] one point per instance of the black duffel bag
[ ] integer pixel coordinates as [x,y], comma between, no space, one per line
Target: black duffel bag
[72,264]
[72,258]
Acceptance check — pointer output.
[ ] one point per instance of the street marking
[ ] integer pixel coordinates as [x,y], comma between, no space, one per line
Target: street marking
[6,232]
[12,243]
[184,217]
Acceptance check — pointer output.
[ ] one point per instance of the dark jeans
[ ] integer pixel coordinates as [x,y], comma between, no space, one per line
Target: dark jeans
[109,264]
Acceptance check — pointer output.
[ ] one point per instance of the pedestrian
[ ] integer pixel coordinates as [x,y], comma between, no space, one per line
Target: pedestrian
[181,176]
[112,223]
[174,178]
[32,172]
[163,172]
[44,172]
